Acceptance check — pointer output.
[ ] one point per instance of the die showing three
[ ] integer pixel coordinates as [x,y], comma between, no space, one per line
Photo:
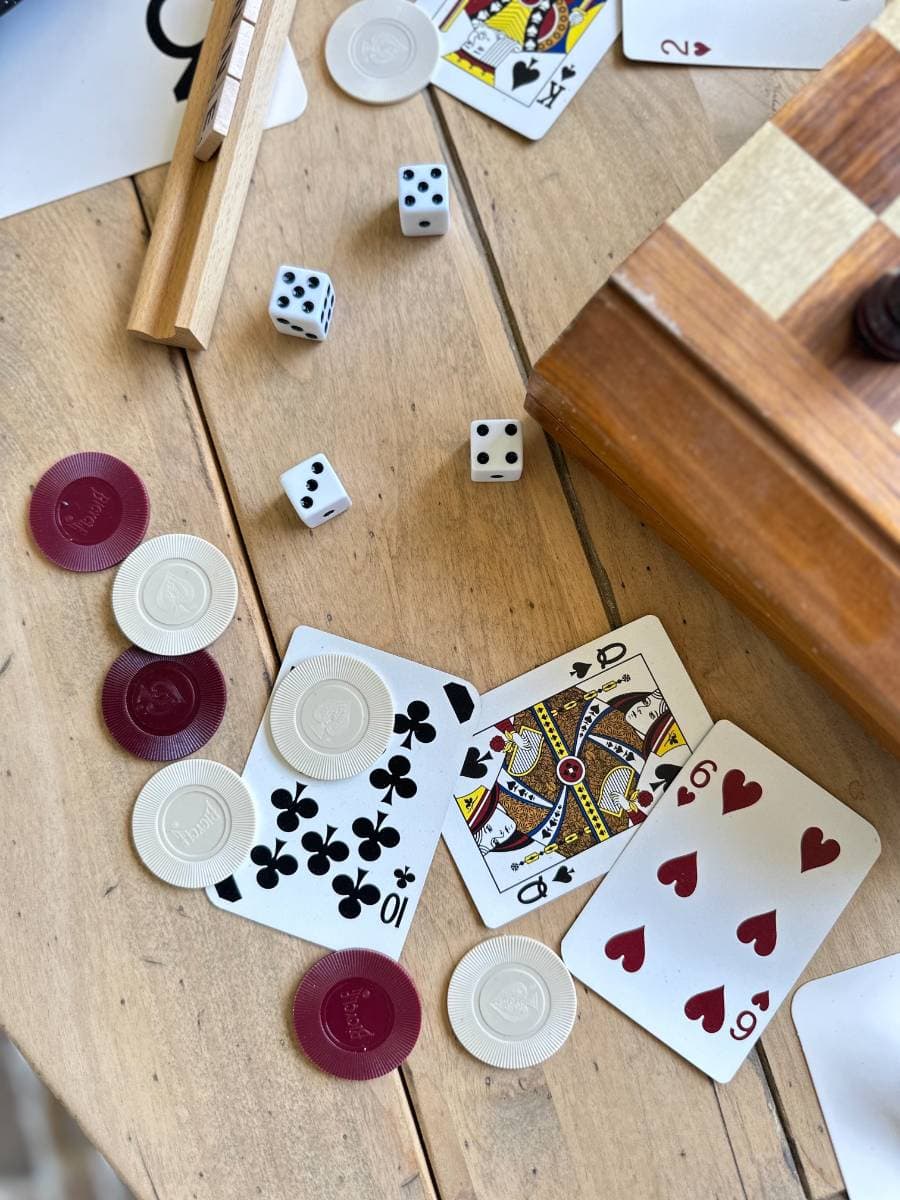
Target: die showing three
[315,490]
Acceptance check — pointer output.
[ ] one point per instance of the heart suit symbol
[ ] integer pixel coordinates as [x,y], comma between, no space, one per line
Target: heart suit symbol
[681,871]
[737,792]
[701,48]
[685,797]
[761,931]
[708,1008]
[629,946]
[816,850]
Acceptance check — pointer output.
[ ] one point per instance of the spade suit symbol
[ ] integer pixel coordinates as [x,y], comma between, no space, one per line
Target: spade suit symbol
[523,73]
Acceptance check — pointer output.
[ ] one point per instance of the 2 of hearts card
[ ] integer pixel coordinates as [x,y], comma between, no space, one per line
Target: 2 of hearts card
[566,763]
[714,910]
[767,33]
[520,61]
[343,862]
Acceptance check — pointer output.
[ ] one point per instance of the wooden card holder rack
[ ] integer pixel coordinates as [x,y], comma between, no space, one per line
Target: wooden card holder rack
[187,259]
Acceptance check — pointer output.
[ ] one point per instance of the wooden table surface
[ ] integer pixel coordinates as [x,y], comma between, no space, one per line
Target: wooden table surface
[161,1021]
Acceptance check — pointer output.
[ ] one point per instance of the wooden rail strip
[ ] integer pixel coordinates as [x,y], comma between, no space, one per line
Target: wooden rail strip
[187,260]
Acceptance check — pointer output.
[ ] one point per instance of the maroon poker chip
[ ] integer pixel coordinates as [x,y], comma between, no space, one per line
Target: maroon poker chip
[89,511]
[357,1014]
[163,708]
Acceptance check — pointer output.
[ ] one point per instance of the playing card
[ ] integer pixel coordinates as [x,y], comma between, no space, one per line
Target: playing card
[767,33]
[100,91]
[857,1076]
[707,919]
[566,764]
[520,62]
[342,863]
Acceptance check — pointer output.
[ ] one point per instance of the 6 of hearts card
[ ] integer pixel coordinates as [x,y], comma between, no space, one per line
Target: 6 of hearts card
[714,910]
[566,764]
[342,861]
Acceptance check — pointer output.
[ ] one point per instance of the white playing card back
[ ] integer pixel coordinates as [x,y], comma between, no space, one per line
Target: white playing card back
[343,863]
[566,762]
[521,63]
[849,1027]
[714,909]
[766,33]
[91,96]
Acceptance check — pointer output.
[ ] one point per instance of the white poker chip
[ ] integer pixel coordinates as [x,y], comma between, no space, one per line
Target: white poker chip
[174,594]
[194,823]
[381,51]
[331,716]
[511,1002]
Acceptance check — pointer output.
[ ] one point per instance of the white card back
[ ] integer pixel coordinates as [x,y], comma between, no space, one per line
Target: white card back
[766,33]
[849,1027]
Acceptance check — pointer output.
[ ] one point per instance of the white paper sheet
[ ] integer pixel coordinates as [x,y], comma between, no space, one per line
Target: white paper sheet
[89,96]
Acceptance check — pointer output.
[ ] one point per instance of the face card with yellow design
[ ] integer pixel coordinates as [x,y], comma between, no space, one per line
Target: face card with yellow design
[569,761]
[520,61]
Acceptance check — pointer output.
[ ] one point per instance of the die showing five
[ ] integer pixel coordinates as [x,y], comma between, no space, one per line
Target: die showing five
[424,199]
[302,302]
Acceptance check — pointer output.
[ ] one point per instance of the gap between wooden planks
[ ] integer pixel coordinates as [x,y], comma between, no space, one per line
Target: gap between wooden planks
[417,345]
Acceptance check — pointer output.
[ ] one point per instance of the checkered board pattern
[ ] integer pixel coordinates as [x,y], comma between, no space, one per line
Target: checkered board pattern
[799,222]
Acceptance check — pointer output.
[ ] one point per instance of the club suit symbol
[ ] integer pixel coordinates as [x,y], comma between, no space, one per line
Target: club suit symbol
[394,779]
[414,724]
[355,894]
[323,851]
[272,864]
[293,808]
[374,837]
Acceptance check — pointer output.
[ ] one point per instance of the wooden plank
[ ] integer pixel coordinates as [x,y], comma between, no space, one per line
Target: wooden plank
[485,581]
[159,1021]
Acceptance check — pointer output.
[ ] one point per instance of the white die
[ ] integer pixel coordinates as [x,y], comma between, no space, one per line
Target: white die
[316,492]
[423,191]
[496,451]
[302,302]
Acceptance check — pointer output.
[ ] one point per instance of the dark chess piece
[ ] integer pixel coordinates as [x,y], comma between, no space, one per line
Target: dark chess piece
[878,317]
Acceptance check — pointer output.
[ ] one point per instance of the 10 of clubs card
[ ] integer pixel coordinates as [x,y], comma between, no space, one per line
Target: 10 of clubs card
[520,61]
[705,922]
[567,763]
[342,862]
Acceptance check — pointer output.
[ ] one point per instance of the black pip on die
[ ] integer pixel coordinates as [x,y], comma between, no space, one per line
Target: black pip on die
[496,451]
[316,492]
[302,302]
[424,198]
